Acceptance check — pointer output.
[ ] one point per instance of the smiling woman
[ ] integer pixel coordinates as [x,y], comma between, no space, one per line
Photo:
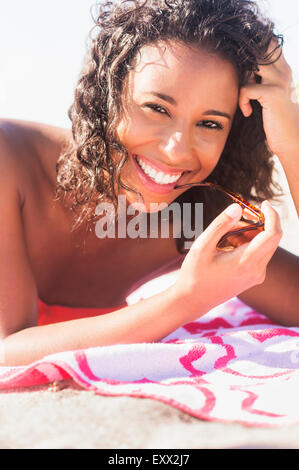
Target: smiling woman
[175,132]
[194,69]
[173,95]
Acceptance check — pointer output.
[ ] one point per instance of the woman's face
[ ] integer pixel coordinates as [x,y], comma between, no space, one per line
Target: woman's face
[179,104]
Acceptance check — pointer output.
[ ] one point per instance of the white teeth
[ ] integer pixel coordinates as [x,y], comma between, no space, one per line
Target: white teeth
[157,176]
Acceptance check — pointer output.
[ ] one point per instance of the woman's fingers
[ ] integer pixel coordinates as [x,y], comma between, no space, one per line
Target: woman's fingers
[256,252]
[222,224]
[209,277]
[274,76]
[263,246]
[277,72]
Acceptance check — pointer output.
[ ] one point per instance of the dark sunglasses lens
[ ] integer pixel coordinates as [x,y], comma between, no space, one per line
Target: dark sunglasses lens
[231,241]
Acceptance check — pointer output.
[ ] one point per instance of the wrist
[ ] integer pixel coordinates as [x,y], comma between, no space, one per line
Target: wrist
[183,304]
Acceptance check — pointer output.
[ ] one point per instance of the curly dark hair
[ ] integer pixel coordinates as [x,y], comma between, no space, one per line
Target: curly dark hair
[234,29]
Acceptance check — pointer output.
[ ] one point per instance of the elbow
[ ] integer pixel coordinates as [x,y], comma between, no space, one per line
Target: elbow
[12,351]
[3,358]
[17,317]
[6,332]
[3,350]
[14,325]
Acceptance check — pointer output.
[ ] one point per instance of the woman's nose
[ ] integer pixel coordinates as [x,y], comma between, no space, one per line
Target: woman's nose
[177,147]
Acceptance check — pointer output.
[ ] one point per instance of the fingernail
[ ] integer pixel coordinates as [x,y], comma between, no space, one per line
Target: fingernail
[234,211]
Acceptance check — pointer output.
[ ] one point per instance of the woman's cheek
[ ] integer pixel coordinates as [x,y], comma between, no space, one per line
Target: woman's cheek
[131,132]
[211,149]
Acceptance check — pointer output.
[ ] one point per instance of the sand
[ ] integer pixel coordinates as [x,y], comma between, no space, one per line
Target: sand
[74,418]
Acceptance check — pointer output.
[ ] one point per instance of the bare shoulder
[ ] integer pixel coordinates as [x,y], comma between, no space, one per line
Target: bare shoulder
[34,131]
[9,168]
[29,145]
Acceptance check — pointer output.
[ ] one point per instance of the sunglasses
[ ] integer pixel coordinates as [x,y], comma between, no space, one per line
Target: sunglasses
[251,223]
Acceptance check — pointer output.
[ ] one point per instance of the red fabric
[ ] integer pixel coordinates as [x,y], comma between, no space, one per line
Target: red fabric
[56,313]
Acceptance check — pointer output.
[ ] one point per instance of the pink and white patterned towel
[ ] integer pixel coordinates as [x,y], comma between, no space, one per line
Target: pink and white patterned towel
[232,365]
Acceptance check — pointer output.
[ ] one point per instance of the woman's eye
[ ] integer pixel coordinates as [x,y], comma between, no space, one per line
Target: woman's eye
[211,125]
[157,108]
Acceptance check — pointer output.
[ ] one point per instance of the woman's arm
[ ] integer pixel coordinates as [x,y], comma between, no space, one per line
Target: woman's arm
[277,96]
[207,278]
[18,291]
[278,296]
[147,321]
[290,164]
[154,318]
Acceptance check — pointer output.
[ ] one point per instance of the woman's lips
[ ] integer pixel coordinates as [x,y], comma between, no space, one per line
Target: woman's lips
[150,184]
[158,166]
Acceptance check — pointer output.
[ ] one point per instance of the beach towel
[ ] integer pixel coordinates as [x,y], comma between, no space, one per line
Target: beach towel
[231,365]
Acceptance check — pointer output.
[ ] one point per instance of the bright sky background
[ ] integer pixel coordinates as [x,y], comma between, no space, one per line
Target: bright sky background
[43,45]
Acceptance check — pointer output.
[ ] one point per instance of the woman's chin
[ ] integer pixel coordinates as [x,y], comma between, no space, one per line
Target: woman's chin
[149,203]
[140,205]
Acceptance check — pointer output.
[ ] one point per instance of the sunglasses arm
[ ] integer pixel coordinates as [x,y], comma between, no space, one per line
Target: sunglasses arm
[236,198]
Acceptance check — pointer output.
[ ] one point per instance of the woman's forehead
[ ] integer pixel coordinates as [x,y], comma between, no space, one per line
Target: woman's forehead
[178,66]
[166,53]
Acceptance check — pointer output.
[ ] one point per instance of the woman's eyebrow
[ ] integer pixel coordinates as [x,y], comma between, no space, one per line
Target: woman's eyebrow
[209,112]
[215,112]
[167,98]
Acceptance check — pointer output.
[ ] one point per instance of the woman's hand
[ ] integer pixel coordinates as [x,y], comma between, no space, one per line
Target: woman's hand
[277,95]
[209,277]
